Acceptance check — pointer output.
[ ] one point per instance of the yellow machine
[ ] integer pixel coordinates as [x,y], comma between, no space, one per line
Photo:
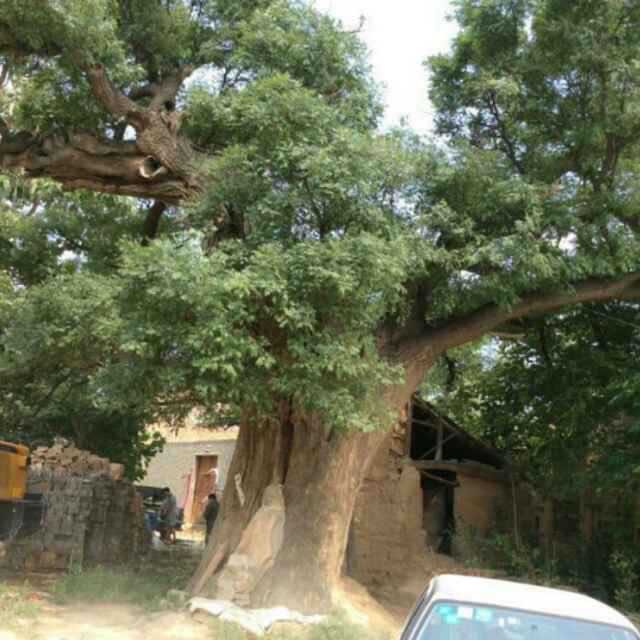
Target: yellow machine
[13,471]
[20,512]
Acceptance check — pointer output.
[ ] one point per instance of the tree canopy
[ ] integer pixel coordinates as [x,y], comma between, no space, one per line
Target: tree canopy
[561,401]
[240,231]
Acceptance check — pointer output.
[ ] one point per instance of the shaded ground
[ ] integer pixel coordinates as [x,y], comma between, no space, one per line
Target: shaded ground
[132,604]
[103,622]
[103,604]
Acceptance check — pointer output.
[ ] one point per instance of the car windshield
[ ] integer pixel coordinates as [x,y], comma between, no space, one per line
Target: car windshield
[454,621]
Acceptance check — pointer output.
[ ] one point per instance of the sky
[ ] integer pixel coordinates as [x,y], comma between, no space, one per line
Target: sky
[400,35]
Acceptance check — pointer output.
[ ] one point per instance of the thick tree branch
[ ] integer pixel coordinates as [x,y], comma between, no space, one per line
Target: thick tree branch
[158,165]
[156,127]
[152,221]
[167,90]
[162,94]
[418,347]
[423,345]
[482,321]
[113,100]
[85,162]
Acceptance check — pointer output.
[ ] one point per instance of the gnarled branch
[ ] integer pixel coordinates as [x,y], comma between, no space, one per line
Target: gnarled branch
[112,99]
[85,162]
[158,165]
[163,92]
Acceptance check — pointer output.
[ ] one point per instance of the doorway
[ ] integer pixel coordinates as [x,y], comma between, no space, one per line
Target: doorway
[438,495]
[205,481]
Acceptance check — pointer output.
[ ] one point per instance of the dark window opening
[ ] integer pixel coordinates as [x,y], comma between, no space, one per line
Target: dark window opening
[438,500]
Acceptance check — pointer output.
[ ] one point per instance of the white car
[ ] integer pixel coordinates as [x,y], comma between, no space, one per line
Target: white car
[469,608]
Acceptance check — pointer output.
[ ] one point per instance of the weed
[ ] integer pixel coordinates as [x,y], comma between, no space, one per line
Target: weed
[335,627]
[16,605]
[339,627]
[146,586]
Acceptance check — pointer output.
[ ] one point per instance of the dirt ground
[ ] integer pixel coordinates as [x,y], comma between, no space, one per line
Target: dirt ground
[103,622]
[37,615]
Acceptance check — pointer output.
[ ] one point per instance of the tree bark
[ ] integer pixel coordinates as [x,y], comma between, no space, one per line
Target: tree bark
[256,463]
[159,164]
[321,472]
[323,479]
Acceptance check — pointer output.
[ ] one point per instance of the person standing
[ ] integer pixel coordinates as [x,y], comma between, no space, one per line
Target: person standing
[168,514]
[210,514]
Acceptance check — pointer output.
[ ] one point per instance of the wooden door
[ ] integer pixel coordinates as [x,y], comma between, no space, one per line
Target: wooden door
[204,484]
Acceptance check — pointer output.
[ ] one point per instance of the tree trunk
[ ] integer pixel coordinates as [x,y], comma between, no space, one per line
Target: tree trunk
[323,479]
[257,462]
[321,472]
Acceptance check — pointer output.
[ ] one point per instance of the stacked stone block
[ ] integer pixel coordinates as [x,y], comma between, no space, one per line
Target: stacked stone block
[93,516]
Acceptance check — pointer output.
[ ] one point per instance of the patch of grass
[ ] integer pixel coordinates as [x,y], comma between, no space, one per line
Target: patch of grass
[16,605]
[339,627]
[221,630]
[335,627]
[145,586]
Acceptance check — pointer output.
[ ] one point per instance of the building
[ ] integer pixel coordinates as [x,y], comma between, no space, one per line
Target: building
[194,462]
[430,478]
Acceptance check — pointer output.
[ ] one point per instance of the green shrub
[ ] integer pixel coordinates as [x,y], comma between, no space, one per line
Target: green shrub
[625,570]
[606,567]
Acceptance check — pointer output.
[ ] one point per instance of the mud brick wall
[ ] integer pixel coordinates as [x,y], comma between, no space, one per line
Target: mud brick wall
[92,517]
[386,530]
[478,502]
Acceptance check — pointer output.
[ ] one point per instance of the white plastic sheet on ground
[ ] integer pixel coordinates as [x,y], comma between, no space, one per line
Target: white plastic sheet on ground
[256,621]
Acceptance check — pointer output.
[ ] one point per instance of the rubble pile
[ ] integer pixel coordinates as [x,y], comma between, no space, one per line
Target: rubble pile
[93,515]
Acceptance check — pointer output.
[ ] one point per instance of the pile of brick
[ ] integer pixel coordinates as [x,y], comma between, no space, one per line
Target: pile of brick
[93,516]
[65,456]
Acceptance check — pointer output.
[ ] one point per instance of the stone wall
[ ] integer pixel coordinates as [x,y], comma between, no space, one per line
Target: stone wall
[92,515]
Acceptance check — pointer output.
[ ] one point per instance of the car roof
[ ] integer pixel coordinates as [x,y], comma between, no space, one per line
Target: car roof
[525,597]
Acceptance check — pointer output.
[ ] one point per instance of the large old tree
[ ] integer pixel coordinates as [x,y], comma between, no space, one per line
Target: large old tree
[311,270]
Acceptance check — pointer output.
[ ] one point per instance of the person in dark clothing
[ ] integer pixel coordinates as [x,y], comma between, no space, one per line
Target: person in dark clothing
[211,513]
